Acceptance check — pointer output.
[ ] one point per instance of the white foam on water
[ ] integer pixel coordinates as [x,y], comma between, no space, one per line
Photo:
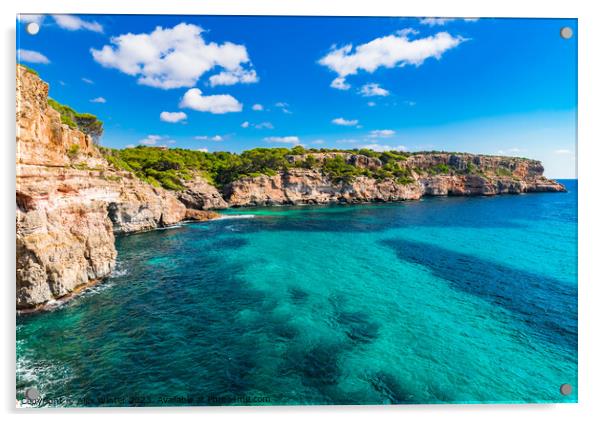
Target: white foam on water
[119,271]
[235,217]
[175,226]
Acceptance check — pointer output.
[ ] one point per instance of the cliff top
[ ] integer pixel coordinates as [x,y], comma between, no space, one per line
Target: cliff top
[71,138]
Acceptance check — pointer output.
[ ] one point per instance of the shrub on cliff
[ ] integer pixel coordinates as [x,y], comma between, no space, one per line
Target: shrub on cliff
[86,122]
[502,171]
[29,69]
[439,169]
[339,170]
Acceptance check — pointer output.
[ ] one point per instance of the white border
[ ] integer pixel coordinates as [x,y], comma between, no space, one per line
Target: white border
[590,154]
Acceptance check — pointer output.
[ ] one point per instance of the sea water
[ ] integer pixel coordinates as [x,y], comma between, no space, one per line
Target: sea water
[442,300]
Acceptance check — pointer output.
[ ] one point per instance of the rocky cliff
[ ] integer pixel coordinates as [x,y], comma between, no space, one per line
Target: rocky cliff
[70,202]
[431,174]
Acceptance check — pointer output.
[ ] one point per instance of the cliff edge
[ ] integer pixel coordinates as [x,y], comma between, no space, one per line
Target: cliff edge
[70,202]
[425,174]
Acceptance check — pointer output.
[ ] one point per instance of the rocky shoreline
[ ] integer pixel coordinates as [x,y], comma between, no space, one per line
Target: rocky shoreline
[70,202]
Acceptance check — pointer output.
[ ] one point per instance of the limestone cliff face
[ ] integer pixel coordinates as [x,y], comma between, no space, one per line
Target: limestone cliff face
[70,202]
[200,195]
[301,186]
[468,175]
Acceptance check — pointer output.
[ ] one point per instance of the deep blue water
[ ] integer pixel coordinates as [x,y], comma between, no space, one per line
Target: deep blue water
[450,300]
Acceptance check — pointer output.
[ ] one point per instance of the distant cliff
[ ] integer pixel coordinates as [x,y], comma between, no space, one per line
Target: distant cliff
[72,197]
[427,174]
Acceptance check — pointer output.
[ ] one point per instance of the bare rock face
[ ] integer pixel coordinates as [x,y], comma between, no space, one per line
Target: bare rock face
[70,202]
[201,195]
[198,215]
[60,250]
[302,186]
[140,206]
[464,175]
[358,160]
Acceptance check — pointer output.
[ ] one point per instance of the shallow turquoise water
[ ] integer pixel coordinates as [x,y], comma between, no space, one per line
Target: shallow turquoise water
[442,300]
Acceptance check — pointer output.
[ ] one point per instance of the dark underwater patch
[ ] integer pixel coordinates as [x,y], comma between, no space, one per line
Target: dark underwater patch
[358,326]
[320,366]
[392,390]
[298,296]
[548,305]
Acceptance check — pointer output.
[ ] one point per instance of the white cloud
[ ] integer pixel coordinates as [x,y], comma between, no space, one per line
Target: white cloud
[347,141]
[215,138]
[509,151]
[203,150]
[257,107]
[344,122]
[318,142]
[442,21]
[373,90]
[130,146]
[88,81]
[381,148]
[28,18]
[68,22]
[284,107]
[282,140]
[172,116]
[371,103]
[563,152]
[100,100]
[382,133]
[339,83]
[232,77]
[435,21]
[410,103]
[31,56]
[74,23]
[150,140]
[174,57]
[264,125]
[216,104]
[390,51]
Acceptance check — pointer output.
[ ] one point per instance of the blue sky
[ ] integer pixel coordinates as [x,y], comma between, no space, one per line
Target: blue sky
[494,86]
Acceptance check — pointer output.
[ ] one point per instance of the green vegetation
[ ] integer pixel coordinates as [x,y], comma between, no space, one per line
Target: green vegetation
[170,167]
[86,122]
[73,151]
[339,170]
[29,69]
[471,168]
[439,169]
[501,171]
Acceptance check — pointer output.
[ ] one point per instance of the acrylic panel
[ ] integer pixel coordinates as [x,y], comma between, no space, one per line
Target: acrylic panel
[281,210]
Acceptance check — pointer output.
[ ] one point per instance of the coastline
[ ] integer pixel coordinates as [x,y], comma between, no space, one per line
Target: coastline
[358,278]
[57,302]
[73,197]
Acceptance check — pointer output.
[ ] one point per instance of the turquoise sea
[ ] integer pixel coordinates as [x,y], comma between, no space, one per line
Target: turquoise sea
[443,300]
